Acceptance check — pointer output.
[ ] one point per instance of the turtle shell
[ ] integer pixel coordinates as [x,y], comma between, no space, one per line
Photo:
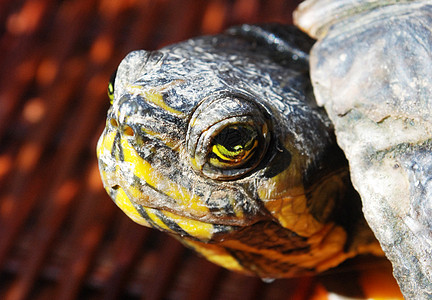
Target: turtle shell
[371,69]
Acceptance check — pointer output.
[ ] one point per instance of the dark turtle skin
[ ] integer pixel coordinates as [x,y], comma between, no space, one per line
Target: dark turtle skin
[218,141]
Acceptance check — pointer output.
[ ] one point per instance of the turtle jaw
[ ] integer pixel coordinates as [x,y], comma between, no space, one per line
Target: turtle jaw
[161,218]
[141,201]
[167,221]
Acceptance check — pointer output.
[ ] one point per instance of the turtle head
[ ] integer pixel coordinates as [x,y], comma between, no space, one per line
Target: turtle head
[177,140]
[213,138]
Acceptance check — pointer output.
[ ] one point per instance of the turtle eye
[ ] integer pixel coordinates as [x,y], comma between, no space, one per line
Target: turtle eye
[228,136]
[110,89]
[233,146]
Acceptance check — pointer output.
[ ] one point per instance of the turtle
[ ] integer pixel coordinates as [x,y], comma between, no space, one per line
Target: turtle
[220,142]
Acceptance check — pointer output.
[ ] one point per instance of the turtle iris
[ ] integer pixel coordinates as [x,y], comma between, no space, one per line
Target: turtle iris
[233,146]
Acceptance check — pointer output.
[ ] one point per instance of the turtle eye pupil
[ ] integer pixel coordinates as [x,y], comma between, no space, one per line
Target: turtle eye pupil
[110,89]
[235,138]
[233,146]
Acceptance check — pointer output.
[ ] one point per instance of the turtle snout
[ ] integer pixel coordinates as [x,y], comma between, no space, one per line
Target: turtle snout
[127,109]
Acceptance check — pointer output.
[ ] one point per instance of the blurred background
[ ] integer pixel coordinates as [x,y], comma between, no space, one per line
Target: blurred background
[61,237]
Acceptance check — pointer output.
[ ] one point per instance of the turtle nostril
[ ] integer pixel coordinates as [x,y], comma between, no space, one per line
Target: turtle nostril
[128,131]
[115,187]
[113,122]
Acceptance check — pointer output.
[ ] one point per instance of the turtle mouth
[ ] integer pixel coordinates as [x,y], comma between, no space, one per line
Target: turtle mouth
[168,221]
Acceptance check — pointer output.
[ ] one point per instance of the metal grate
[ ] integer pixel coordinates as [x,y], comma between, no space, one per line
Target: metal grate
[61,237]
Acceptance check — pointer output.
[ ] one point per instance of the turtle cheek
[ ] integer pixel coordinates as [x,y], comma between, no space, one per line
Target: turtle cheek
[283,195]
[289,206]
[282,176]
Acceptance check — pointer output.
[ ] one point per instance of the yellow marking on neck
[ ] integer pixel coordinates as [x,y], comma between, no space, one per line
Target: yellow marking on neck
[326,250]
[143,170]
[217,255]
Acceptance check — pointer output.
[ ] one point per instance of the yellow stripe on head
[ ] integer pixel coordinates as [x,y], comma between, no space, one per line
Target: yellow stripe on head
[124,203]
[156,220]
[144,170]
[200,230]
[154,96]
[105,143]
